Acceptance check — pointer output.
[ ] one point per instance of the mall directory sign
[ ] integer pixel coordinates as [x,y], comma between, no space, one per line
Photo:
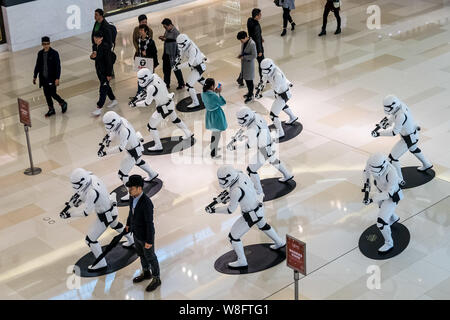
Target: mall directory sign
[24,112]
[296,254]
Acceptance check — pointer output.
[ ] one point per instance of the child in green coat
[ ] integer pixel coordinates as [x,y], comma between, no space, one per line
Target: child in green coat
[215,117]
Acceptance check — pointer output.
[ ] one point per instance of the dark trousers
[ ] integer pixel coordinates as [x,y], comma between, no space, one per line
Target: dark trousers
[286,17]
[250,87]
[330,7]
[215,138]
[105,90]
[149,260]
[259,59]
[50,92]
[167,70]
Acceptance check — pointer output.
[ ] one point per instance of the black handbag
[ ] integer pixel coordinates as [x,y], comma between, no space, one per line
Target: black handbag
[277,2]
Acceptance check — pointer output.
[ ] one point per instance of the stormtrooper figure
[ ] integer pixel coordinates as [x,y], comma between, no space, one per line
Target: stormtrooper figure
[131,142]
[281,87]
[259,139]
[157,90]
[195,60]
[242,192]
[387,182]
[402,123]
[92,191]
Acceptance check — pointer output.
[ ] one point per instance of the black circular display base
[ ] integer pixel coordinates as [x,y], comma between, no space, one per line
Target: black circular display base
[372,239]
[415,178]
[150,189]
[183,103]
[274,189]
[118,258]
[259,257]
[290,130]
[170,145]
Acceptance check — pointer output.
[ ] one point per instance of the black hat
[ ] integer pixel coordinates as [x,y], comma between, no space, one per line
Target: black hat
[45,39]
[135,180]
[142,17]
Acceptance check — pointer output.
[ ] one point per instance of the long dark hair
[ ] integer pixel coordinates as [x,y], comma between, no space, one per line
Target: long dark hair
[208,83]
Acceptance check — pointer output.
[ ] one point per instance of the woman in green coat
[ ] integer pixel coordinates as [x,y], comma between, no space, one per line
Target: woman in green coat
[215,117]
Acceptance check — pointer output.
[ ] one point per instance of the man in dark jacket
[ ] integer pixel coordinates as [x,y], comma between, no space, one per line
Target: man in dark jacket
[254,32]
[170,53]
[140,223]
[103,26]
[48,67]
[103,66]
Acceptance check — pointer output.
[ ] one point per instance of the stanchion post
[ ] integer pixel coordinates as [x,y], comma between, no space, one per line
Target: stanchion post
[296,278]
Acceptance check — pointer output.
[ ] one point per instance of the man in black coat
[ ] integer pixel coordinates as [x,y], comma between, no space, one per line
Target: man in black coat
[104,65]
[254,32]
[140,223]
[103,26]
[48,67]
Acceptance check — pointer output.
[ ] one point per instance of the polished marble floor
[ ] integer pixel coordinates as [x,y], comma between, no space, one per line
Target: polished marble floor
[339,83]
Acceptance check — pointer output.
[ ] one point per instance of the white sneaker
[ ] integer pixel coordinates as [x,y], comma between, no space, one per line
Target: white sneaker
[155,148]
[291,121]
[97,112]
[276,247]
[386,247]
[112,104]
[283,180]
[238,264]
[423,168]
[100,265]
[150,179]
[189,137]
[193,105]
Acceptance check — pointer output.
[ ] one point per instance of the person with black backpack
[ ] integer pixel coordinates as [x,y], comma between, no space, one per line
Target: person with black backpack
[108,31]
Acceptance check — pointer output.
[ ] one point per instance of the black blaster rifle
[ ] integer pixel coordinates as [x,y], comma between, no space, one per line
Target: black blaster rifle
[73,202]
[223,197]
[259,89]
[104,144]
[366,190]
[139,97]
[238,136]
[381,125]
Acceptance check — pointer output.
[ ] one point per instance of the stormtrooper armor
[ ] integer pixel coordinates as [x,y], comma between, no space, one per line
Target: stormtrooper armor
[165,107]
[131,142]
[387,183]
[195,60]
[281,88]
[259,140]
[401,121]
[243,193]
[93,193]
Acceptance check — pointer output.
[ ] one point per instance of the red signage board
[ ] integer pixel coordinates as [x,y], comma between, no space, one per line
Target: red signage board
[296,254]
[24,112]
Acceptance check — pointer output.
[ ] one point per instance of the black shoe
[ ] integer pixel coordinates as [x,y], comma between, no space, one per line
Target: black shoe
[64,107]
[322,33]
[293,26]
[283,33]
[338,31]
[155,283]
[180,86]
[168,86]
[50,113]
[143,276]
[248,99]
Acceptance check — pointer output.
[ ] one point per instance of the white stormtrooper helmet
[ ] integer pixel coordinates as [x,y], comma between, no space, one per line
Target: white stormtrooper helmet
[145,77]
[377,164]
[267,66]
[245,116]
[391,104]
[183,42]
[80,179]
[227,175]
[112,121]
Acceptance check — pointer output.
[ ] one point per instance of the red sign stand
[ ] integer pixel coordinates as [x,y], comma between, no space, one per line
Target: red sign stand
[296,259]
[25,119]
